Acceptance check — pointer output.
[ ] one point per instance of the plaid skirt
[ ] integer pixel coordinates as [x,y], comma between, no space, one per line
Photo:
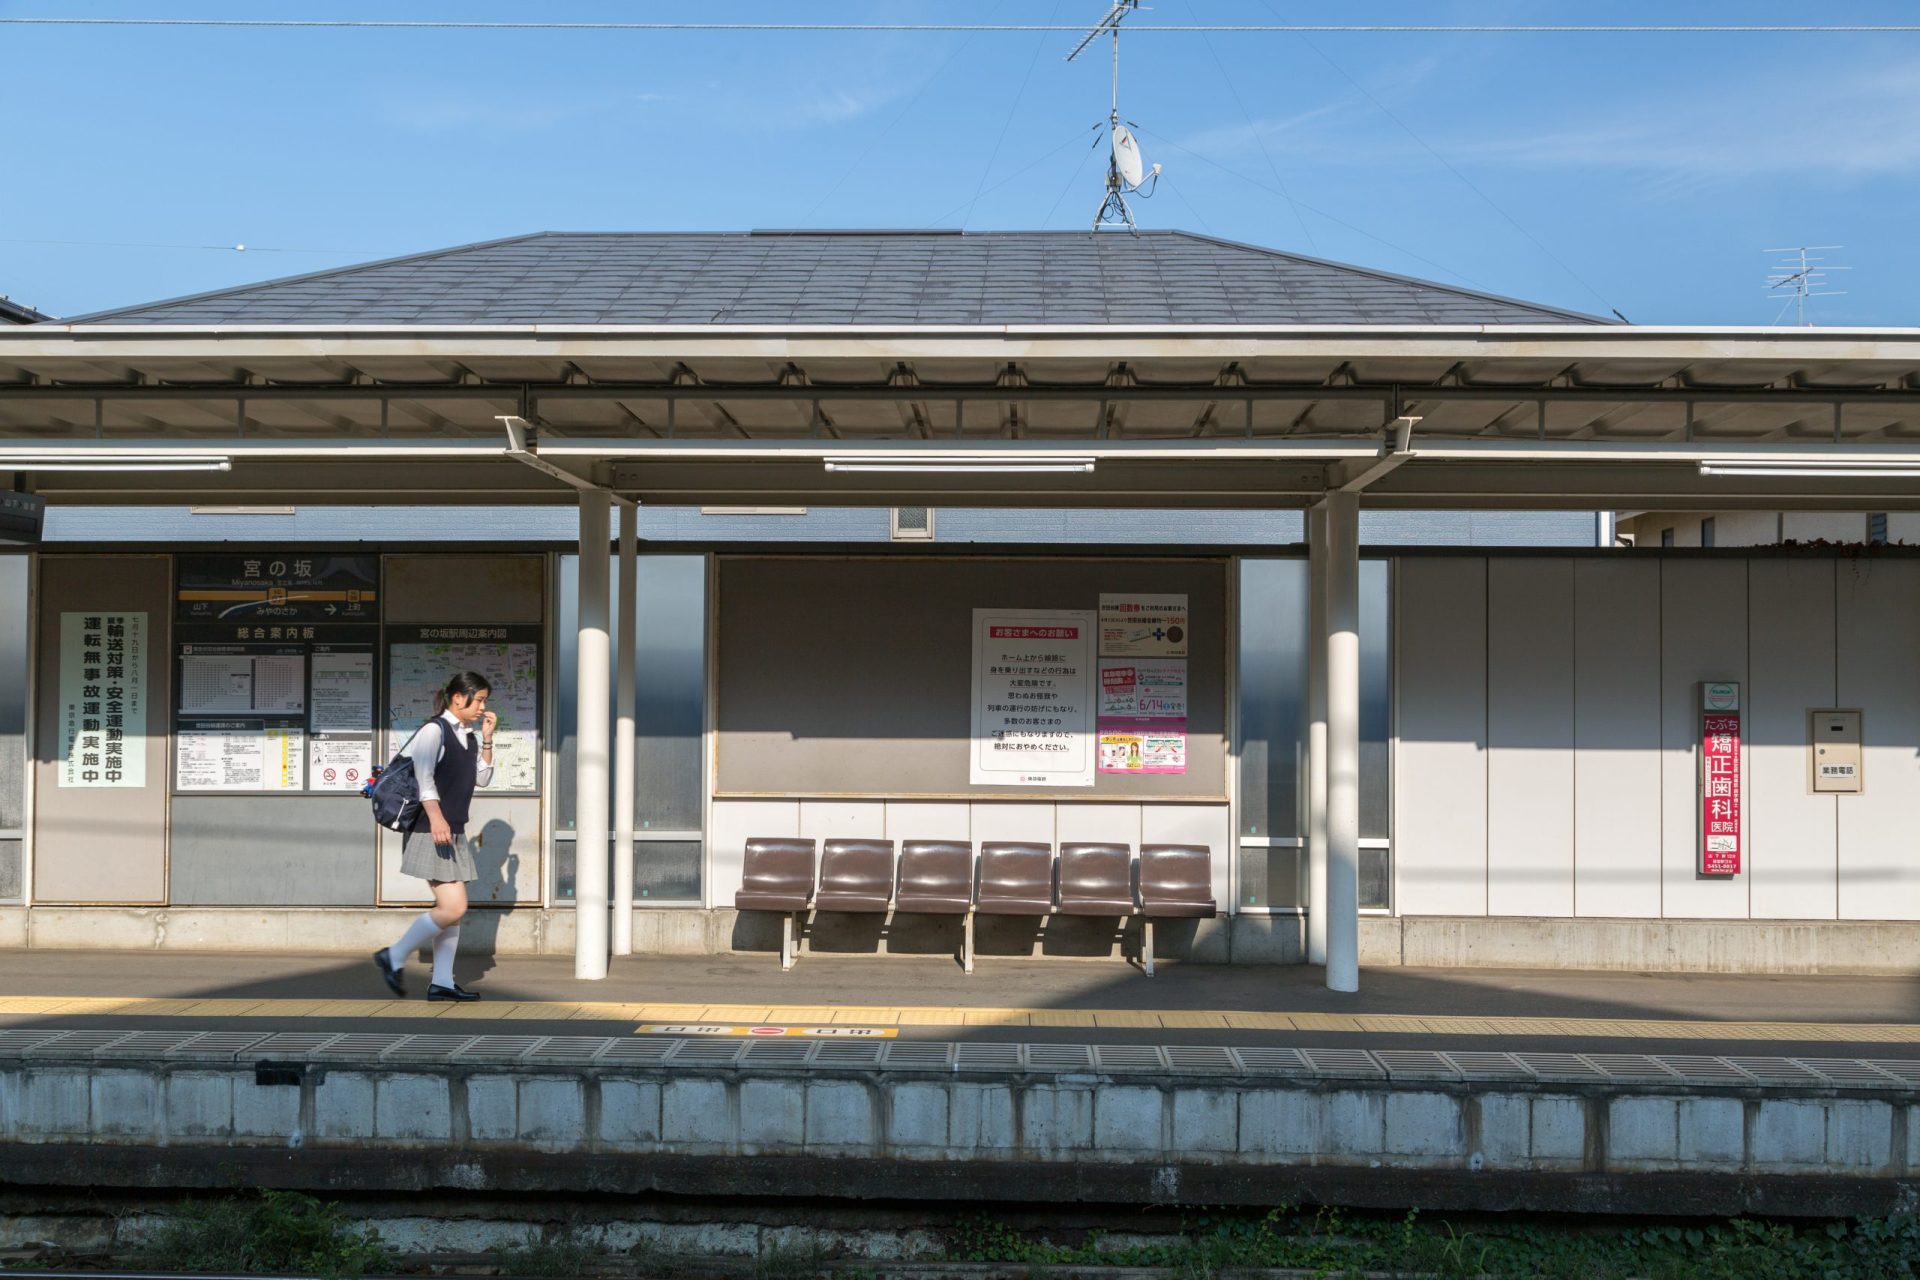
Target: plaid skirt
[420,856]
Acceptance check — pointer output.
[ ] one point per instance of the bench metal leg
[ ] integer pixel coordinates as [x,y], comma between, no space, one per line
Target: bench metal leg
[966,943]
[1146,944]
[787,919]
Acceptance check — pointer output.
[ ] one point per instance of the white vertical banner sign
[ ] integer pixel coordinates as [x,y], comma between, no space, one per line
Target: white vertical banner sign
[103,700]
[1033,696]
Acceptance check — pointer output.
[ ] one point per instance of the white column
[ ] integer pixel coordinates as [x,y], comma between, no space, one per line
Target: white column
[1317,735]
[623,705]
[590,744]
[1343,741]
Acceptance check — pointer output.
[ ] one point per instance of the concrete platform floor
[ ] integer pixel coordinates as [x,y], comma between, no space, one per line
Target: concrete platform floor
[1031,1001]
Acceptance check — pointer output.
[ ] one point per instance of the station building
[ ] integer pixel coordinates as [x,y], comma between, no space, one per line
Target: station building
[814,534]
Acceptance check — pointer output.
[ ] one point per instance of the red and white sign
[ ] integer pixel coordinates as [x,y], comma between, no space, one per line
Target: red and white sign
[1720,779]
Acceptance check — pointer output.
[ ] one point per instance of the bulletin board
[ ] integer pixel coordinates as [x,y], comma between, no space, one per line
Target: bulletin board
[853,676]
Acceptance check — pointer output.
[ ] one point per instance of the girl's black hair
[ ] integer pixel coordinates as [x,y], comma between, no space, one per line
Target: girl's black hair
[468,683]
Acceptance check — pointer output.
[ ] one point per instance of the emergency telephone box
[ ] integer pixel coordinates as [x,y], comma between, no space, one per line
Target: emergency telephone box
[1833,752]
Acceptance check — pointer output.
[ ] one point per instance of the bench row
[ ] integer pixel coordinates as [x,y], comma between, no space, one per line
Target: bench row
[943,877]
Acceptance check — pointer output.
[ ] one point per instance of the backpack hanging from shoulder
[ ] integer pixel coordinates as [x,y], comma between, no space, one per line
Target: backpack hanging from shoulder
[394,791]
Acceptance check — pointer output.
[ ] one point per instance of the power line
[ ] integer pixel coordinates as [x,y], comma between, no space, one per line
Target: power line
[1006,124]
[1448,166]
[1260,139]
[221,248]
[1337,221]
[1172,29]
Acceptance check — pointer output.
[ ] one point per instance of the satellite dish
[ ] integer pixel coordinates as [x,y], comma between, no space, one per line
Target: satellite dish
[1126,157]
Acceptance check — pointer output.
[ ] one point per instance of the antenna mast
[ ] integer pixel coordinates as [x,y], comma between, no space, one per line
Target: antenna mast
[1124,176]
[1799,277]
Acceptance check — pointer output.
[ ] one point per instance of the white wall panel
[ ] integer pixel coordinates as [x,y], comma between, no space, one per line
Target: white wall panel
[928,820]
[848,819]
[1104,823]
[1790,831]
[734,823]
[1616,720]
[1530,737]
[1013,821]
[1203,824]
[1879,652]
[1440,765]
[1703,636]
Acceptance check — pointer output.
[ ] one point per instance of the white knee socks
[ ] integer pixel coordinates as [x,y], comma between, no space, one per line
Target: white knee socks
[418,934]
[443,948]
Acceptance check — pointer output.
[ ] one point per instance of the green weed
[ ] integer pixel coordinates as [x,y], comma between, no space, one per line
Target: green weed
[266,1233]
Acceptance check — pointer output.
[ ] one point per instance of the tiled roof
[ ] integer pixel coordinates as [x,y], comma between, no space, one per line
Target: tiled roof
[848,278]
[12,312]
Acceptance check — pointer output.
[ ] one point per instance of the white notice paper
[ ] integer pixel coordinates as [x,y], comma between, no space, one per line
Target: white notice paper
[1033,698]
[220,759]
[342,693]
[338,764]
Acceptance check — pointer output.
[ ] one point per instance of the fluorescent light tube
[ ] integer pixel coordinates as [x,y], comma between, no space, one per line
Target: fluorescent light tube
[118,464]
[964,466]
[1803,470]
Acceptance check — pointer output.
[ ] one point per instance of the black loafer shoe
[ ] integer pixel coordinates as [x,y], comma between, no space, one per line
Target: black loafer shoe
[389,974]
[454,992]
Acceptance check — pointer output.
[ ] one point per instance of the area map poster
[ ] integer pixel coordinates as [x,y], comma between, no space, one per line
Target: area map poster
[420,660]
[1033,698]
[103,700]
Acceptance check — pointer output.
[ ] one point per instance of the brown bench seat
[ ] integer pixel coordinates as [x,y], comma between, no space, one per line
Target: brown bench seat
[1176,883]
[777,875]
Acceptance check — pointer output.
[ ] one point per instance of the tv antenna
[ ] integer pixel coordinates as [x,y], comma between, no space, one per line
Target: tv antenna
[1125,173]
[1799,276]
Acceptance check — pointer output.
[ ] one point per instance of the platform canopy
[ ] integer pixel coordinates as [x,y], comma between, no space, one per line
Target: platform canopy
[929,367]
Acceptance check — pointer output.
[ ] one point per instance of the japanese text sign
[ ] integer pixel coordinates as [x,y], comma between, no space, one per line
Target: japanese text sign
[1720,781]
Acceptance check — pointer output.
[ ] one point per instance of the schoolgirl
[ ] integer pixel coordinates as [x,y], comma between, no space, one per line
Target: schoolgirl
[451,754]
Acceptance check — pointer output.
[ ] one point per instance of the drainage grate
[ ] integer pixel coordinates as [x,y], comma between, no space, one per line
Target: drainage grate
[217,1046]
[358,1046]
[1560,1066]
[716,1051]
[17,1039]
[147,1044]
[1899,1068]
[969,1056]
[1269,1061]
[1775,1070]
[1350,1063]
[908,1055]
[1199,1058]
[566,1049]
[1059,1057]
[1695,1069]
[497,1048]
[291,1044]
[1128,1057]
[87,1042]
[1475,1064]
[426,1049]
[1849,1072]
[640,1051]
[1415,1064]
[849,1053]
[1629,1066]
[776,1053]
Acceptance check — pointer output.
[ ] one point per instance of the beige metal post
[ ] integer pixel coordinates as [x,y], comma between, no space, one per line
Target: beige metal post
[1343,741]
[623,746]
[1317,735]
[590,743]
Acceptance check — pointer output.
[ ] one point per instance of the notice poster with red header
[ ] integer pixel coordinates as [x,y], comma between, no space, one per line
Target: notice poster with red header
[1720,779]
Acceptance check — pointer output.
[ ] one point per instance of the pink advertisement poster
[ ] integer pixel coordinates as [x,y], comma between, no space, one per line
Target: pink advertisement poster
[1143,746]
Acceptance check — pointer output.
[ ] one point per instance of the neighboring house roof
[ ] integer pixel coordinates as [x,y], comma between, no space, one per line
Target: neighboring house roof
[805,278]
[12,312]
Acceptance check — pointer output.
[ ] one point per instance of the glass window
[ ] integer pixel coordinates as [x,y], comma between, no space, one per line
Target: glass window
[1666,537]
[1272,675]
[1706,532]
[669,718]
[13,718]
[1877,528]
[663,870]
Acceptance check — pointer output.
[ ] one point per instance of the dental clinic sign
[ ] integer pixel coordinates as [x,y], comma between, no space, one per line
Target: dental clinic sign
[1720,779]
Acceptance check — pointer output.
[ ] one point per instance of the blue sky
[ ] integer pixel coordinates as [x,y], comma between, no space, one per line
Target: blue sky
[1648,172]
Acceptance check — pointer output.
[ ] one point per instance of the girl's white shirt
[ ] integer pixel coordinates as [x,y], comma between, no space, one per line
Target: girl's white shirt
[431,743]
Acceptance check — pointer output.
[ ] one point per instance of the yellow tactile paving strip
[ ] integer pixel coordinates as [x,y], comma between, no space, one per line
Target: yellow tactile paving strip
[961,1016]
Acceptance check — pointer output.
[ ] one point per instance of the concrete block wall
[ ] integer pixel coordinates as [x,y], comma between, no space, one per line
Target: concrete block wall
[388,1126]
